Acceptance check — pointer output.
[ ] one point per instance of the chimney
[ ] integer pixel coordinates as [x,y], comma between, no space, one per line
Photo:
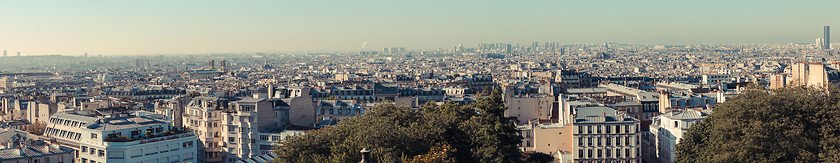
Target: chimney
[46,148]
[365,156]
[270,91]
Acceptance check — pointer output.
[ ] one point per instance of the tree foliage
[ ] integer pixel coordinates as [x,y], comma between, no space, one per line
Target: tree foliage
[437,154]
[193,94]
[539,157]
[478,132]
[796,124]
[36,127]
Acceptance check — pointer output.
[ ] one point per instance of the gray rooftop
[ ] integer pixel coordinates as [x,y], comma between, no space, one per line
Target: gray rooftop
[601,114]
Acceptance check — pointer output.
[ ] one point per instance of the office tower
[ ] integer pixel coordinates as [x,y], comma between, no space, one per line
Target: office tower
[212,64]
[18,54]
[826,38]
[5,54]
[535,46]
[85,55]
[819,43]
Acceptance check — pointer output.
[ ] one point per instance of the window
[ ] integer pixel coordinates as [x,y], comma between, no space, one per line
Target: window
[627,152]
[580,142]
[580,130]
[187,144]
[627,129]
[627,141]
[608,142]
[92,151]
[116,155]
[618,141]
[231,140]
[589,153]
[607,128]
[599,129]
[93,136]
[599,141]
[589,129]
[264,137]
[617,128]
[617,152]
[607,153]
[84,149]
[589,141]
[580,153]
[101,153]
[676,124]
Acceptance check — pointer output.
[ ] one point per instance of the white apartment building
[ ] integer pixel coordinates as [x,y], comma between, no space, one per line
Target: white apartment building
[117,135]
[667,130]
[602,134]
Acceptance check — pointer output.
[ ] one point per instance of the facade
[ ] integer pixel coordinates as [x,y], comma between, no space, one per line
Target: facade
[667,130]
[338,109]
[232,129]
[602,134]
[117,135]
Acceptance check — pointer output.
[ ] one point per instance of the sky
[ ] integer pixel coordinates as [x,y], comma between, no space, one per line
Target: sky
[207,26]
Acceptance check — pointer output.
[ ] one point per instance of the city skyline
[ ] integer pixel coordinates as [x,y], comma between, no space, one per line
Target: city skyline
[74,28]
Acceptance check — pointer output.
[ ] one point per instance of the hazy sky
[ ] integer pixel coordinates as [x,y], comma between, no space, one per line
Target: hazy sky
[166,27]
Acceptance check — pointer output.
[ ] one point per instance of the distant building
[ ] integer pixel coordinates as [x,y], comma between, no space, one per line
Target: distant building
[201,74]
[827,38]
[813,74]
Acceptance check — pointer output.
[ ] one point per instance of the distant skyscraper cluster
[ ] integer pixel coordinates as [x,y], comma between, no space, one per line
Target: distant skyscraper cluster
[393,50]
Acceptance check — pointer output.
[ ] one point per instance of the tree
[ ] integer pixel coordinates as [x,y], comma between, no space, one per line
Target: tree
[437,154]
[798,124]
[539,157]
[36,127]
[193,94]
[476,133]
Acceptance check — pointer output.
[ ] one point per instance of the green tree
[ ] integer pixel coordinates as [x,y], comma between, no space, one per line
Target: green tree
[193,94]
[796,124]
[539,157]
[479,132]
[437,154]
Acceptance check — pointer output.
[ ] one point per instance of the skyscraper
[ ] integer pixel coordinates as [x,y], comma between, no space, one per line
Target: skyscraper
[5,54]
[826,38]
[18,54]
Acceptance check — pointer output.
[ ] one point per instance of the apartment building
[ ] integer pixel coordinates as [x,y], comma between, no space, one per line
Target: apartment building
[602,134]
[120,135]
[667,130]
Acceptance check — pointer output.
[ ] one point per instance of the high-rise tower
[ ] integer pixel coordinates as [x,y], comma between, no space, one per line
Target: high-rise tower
[826,38]
[5,54]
